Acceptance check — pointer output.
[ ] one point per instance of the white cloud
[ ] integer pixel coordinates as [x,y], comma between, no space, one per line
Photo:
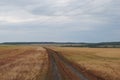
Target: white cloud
[60,15]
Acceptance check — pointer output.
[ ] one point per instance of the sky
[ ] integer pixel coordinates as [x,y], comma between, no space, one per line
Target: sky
[59,20]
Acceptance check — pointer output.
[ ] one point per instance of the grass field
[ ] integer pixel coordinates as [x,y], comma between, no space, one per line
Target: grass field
[101,62]
[23,63]
[32,62]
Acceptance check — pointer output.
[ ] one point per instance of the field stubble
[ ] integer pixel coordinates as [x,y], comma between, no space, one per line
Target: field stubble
[23,63]
[100,62]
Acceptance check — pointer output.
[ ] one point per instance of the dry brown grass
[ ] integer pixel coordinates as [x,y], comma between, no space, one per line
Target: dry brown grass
[102,62]
[23,63]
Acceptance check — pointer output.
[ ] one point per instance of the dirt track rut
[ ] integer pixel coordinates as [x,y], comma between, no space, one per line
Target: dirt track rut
[61,69]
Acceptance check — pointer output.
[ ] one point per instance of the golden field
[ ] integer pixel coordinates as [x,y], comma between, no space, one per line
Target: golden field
[32,62]
[23,63]
[101,62]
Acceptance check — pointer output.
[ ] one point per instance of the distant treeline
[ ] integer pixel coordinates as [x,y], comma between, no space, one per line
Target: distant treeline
[70,44]
[96,45]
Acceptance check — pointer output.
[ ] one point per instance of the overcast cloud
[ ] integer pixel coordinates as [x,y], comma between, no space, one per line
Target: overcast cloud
[60,20]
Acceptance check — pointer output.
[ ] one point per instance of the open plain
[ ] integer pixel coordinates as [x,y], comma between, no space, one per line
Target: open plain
[59,63]
[103,63]
[23,63]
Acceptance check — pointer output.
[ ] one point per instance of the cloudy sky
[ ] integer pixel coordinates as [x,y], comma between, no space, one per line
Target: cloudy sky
[60,20]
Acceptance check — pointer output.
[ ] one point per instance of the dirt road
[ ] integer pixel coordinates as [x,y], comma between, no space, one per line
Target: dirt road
[62,69]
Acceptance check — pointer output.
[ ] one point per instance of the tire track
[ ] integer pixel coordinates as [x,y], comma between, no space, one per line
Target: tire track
[61,69]
[54,75]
